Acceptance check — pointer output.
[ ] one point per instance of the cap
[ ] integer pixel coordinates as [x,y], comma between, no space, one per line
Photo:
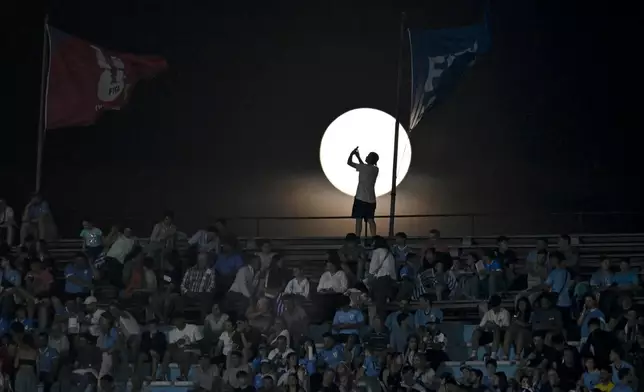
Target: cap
[90,300]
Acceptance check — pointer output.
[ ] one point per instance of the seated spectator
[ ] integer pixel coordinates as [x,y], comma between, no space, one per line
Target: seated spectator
[260,316]
[626,279]
[162,302]
[246,337]
[276,330]
[225,343]
[276,278]
[491,275]
[265,254]
[143,279]
[38,282]
[7,222]
[48,362]
[590,312]
[79,276]
[618,365]
[435,343]
[409,283]
[88,362]
[435,248]
[332,353]
[545,318]
[279,354]
[183,340]
[243,288]
[400,249]
[605,383]
[509,263]
[541,247]
[491,329]
[332,285]
[228,263]
[467,281]
[26,363]
[43,254]
[518,334]
[58,340]
[427,312]
[205,241]
[214,323]
[93,315]
[591,374]
[352,256]
[207,375]
[299,285]
[378,336]
[198,285]
[537,269]
[237,373]
[295,318]
[347,320]
[152,349]
[602,279]
[400,325]
[622,384]
[569,370]
[37,221]
[92,240]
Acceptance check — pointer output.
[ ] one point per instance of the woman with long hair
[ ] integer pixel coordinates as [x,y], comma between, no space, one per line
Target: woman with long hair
[519,333]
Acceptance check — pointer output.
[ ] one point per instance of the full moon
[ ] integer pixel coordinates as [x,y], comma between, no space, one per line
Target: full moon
[371,130]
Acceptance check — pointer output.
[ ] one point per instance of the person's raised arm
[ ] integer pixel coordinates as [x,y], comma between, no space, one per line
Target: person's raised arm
[350,159]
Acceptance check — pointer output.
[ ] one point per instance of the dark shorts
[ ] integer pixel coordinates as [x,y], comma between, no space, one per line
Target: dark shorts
[363,210]
[487,337]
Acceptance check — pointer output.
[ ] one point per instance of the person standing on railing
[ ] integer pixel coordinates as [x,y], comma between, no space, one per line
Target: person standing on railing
[364,204]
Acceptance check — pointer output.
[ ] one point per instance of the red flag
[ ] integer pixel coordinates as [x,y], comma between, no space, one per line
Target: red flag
[84,79]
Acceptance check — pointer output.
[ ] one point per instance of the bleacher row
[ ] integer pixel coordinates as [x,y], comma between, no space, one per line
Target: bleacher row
[461,317]
[311,254]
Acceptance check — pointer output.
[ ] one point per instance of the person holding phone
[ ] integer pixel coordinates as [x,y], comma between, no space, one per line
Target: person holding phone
[364,204]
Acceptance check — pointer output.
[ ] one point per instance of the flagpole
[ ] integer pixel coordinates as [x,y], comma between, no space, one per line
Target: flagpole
[392,207]
[43,97]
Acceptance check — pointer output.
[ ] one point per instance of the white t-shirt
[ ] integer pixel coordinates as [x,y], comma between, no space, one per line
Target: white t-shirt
[298,288]
[94,328]
[337,282]
[382,263]
[366,182]
[190,333]
[502,318]
[227,341]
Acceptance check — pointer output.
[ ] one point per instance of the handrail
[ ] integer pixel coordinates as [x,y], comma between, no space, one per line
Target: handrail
[470,224]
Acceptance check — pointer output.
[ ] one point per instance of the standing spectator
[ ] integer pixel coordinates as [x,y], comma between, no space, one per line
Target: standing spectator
[38,283]
[26,364]
[352,256]
[121,247]
[162,240]
[243,288]
[48,360]
[364,204]
[229,261]
[558,282]
[92,240]
[347,320]
[382,270]
[295,318]
[37,220]
[7,222]
[400,249]
[570,253]
[492,328]
[205,240]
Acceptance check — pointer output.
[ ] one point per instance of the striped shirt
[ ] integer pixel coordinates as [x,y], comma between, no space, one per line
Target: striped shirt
[198,281]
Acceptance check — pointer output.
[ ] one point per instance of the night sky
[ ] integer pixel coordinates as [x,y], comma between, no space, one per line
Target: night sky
[547,121]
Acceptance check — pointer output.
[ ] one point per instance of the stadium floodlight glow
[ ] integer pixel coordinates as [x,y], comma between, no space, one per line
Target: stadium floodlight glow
[371,130]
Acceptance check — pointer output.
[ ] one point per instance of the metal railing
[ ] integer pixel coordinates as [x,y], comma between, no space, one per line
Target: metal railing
[454,225]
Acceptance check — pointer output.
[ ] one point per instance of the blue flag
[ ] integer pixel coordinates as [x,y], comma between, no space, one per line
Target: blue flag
[438,58]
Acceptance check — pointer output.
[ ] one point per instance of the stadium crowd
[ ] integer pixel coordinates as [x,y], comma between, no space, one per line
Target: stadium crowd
[116,317]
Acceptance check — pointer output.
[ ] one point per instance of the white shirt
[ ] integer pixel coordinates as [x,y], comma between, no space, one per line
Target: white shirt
[298,288]
[382,263]
[337,282]
[226,339]
[190,333]
[366,182]
[502,319]
[216,325]
[94,328]
[244,281]
[121,248]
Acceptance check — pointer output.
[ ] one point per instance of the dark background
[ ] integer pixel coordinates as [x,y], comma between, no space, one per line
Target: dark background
[548,121]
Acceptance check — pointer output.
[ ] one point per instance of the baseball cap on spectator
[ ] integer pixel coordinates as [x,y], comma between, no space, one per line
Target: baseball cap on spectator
[90,300]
